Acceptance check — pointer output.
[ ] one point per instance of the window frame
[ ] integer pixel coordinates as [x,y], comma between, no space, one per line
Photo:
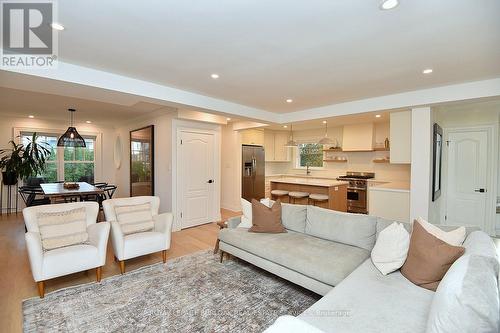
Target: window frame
[296,152]
[96,136]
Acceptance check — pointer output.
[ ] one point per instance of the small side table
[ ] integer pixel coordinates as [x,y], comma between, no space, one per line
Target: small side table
[222,225]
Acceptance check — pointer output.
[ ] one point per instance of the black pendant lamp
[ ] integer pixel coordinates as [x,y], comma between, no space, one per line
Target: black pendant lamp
[71,138]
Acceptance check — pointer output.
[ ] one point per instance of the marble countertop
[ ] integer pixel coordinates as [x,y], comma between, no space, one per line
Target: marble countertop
[324,182]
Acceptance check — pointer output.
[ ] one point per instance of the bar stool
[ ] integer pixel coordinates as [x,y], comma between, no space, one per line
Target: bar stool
[317,198]
[278,194]
[297,195]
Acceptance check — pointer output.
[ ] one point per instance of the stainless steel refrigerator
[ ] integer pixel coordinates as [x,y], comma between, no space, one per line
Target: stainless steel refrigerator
[253,173]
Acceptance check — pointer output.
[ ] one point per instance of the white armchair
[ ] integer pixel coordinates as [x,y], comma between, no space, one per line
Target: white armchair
[69,259]
[141,243]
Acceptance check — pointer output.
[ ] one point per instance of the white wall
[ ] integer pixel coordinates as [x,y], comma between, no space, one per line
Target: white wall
[421,164]
[464,115]
[107,134]
[163,158]
[230,169]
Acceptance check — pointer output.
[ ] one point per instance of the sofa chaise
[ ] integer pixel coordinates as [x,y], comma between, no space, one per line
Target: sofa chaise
[328,252]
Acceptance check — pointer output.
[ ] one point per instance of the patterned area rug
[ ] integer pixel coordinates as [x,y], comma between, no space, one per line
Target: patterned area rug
[189,294]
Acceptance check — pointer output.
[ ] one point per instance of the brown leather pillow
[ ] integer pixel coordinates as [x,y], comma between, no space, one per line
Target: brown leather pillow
[265,219]
[429,258]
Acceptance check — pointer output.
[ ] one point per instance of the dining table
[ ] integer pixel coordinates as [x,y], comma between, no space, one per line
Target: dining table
[55,191]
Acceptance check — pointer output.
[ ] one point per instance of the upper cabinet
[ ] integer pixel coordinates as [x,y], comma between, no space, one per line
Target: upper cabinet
[400,133]
[274,146]
[252,137]
[358,137]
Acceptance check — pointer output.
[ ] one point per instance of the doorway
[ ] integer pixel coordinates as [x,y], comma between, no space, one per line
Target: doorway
[198,177]
[470,182]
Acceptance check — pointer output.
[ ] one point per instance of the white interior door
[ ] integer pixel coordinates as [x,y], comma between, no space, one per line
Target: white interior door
[467,178]
[197,178]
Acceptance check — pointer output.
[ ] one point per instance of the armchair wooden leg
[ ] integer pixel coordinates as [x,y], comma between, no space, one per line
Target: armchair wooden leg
[98,271]
[41,288]
[221,256]
[164,255]
[122,266]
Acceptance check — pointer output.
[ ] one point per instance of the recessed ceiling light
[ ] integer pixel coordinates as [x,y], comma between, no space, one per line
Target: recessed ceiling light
[284,126]
[214,76]
[289,100]
[377,116]
[389,4]
[228,119]
[427,71]
[57,26]
[31,116]
[88,122]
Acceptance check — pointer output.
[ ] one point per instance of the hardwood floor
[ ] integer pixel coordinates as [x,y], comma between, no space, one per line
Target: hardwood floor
[17,282]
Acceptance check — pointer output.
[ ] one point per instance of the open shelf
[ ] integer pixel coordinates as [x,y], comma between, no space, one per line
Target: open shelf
[382,149]
[336,161]
[381,161]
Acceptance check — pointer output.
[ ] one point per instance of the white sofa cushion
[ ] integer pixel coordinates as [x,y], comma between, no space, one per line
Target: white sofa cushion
[63,228]
[351,229]
[466,300]
[134,218]
[319,259]
[367,301]
[391,249]
[290,324]
[139,244]
[246,219]
[454,237]
[69,259]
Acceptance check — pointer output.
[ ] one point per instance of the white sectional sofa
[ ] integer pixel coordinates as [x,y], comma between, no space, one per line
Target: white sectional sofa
[328,252]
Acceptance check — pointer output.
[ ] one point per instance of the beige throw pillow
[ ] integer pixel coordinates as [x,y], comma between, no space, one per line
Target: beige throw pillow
[134,218]
[265,219]
[60,229]
[429,258]
[454,237]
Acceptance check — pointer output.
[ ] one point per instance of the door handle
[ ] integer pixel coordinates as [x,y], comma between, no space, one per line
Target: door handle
[210,181]
[480,190]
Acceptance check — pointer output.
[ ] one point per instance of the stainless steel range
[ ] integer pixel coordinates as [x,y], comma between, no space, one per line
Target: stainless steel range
[357,191]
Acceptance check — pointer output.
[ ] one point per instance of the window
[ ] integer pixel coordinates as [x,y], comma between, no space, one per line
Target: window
[310,154]
[50,173]
[79,162]
[67,163]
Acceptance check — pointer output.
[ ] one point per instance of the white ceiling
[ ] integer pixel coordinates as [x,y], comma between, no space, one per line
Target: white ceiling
[20,103]
[369,117]
[316,52]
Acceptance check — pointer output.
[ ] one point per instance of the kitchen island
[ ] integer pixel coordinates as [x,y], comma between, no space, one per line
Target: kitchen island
[336,190]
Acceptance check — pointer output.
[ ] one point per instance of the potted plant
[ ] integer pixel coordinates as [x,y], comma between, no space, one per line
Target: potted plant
[23,161]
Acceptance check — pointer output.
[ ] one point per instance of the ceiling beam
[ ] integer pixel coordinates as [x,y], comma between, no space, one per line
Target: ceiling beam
[423,97]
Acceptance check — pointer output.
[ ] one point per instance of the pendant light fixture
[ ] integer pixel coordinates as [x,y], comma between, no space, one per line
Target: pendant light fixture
[326,140]
[291,142]
[71,138]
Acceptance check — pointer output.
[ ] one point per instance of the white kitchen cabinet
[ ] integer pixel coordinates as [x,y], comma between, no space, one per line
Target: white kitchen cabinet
[274,145]
[252,137]
[389,204]
[358,137]
[269,146]
[400,137]
[281,153]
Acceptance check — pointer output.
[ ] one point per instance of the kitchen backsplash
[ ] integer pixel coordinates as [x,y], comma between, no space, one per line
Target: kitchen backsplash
[359,161]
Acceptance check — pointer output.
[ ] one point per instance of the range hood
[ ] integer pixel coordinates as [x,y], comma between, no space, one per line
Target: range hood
[358,137]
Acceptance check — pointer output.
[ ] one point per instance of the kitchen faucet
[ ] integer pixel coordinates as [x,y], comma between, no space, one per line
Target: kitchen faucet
[308,172]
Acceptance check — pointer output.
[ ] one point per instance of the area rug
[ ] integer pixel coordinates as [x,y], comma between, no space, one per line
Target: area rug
[194,293]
